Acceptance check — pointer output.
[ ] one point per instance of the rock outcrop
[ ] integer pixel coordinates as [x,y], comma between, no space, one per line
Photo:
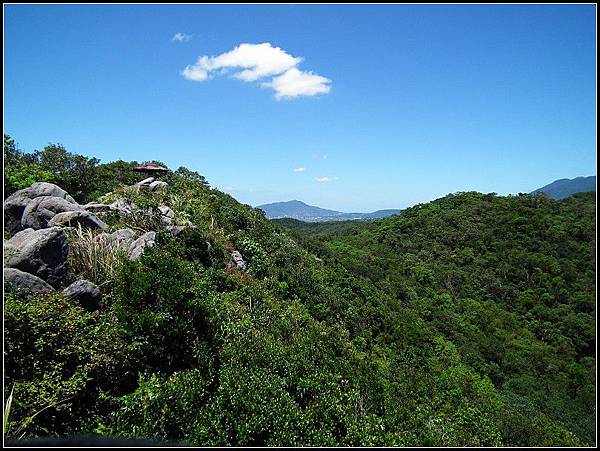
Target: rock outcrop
[15,204]
[35,257]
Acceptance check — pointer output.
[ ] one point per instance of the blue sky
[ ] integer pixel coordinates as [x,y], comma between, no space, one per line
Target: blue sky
[384,106]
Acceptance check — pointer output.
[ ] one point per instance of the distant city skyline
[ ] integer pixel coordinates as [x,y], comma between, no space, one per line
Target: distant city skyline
[353,108]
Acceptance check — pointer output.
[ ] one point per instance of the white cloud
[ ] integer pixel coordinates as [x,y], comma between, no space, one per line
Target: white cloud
[194,73]
[300,169]
[294,83]
[258,61]
[182,37]
[326,179]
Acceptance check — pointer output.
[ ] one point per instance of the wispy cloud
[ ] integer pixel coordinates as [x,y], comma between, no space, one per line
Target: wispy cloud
[258,61]
[319,156]
[300,169]
[326,179]
[182,37]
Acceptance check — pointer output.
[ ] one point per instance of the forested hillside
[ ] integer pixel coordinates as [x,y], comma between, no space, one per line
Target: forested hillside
[510,281]
[466,321]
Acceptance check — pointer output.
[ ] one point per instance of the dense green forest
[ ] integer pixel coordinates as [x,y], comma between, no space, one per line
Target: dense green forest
[466,321]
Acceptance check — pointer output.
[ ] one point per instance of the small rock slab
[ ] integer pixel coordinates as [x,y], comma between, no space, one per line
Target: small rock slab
[147,181]
[238,260]
[96,207]
[74,218]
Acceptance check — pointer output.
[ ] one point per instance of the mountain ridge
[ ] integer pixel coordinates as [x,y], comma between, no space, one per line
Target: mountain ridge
[561,188]
[302,211]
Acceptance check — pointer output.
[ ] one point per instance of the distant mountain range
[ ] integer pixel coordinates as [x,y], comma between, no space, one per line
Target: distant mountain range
[562,188]
[299,210]
[296,209]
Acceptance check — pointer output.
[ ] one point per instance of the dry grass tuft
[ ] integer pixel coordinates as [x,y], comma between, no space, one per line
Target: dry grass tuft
[92,256]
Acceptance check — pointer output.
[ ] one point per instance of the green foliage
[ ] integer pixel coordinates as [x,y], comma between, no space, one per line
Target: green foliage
[467,321]
[160,303]
[82,177]
[73,173]
[509,280]
[21,169]
[19,176]
[52,351]
[190,176]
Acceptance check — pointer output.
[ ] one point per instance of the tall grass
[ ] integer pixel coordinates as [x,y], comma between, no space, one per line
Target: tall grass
[92,256]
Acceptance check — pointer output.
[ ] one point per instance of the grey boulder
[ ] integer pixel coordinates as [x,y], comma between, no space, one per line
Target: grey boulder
[21,280]
[167,215]
[41,210]
[40,252]
[122,206]
[158,186]
[121,238]
[74,218]
[166,211]
[146,181]
[15,204]
[85,293]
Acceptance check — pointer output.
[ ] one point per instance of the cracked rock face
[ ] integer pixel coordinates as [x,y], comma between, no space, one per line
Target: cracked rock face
[42,253]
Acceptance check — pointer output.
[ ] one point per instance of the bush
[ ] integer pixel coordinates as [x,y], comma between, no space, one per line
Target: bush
[52,351]
[160,302]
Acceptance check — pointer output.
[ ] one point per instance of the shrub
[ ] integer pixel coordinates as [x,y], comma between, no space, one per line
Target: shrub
[160,303]
[52,349]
